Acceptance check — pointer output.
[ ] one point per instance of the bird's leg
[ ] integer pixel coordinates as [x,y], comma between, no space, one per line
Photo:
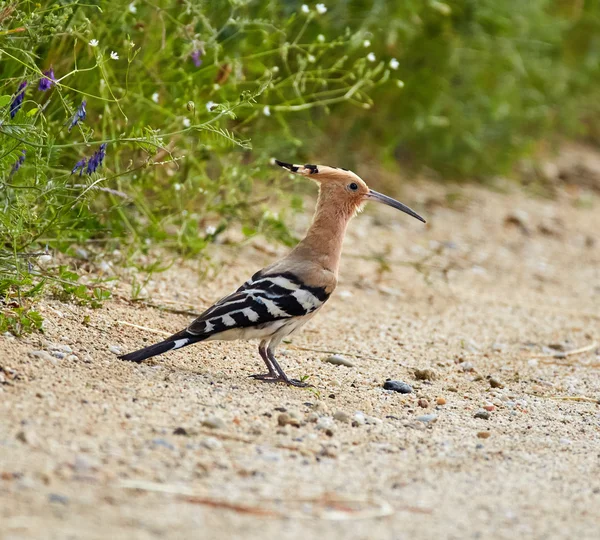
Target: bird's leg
[272,376]
[282,376]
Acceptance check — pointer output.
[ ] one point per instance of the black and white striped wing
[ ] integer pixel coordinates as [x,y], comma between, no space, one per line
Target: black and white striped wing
[260,301]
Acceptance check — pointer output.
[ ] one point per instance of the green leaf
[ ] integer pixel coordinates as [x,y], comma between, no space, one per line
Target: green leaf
[33,111]
[4,100]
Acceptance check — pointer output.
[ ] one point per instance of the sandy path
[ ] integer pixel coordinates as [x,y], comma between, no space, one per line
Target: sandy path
[78,434]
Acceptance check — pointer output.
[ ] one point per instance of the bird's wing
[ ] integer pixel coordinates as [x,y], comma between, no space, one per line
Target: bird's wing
[259,301]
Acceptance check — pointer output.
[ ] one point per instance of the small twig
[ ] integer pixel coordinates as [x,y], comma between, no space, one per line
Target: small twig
[325,507]
[311,349]
[575,398]
[242,509]
[168,309]
[562,354]
[152,330]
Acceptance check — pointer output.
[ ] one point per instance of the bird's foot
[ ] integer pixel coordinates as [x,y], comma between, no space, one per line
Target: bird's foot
[299,384]
[274,378]
[266,377]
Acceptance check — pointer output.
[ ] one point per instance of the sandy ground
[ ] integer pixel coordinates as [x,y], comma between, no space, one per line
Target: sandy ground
[187,446]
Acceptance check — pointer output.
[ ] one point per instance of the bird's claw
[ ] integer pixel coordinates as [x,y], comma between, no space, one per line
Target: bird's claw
[272,377]
[299,384]
[266,377]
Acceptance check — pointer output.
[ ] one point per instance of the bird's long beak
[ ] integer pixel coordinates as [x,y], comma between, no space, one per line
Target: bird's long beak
[379,197]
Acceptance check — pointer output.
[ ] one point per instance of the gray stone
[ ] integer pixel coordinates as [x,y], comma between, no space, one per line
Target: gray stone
[427,418]
[397,386]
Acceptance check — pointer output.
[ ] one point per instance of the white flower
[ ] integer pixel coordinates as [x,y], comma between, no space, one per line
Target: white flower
[210,230]
[210,105]
[275,69]
[155,97]
[114,55]
[311,58]
[44,259]
[132,8]
[93,43]
[321,9]
[399,83]
[305,8]
[267,110]
[366,43]
[371,57]
[186,122]
[176,187]
[394,63]
[321,38]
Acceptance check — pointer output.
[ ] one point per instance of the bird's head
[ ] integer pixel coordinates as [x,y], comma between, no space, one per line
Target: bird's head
[345,187]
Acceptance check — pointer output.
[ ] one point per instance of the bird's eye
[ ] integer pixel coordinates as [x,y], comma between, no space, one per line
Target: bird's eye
[353,186]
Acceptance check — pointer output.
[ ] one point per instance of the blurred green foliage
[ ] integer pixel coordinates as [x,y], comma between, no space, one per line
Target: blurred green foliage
[192,99]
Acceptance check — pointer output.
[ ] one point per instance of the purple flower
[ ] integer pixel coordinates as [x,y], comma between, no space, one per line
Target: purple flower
[18,100]
[196,57]
[79,165]
[47,81]
[79,115]
[17,164]
[96,159]
[92,164]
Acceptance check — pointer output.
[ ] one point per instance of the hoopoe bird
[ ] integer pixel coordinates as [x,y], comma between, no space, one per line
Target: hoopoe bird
[281,298]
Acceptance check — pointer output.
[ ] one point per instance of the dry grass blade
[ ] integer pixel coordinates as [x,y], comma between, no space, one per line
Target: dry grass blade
[324,351]
[146,328]
[242,509]
[565,354]
[327,507]
[585,399]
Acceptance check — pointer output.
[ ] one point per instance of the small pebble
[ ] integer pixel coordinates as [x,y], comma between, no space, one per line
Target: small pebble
[467,367]
[495,383]
[397,386]
[484,434]
[484,415]
[312,417]
[358,419]
[27,437]
[342,417]
[441,401]
[325,422]
[423,403]
[114,349]
[338,360]
[213,422]
[427,418]
[489,407]
[162,442]
[42,355]
[285,419]
[180,431]
[211,443]
[58,499]
[60,347]
[425,374]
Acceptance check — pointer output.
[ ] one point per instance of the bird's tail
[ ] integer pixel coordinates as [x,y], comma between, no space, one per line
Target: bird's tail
[176,341]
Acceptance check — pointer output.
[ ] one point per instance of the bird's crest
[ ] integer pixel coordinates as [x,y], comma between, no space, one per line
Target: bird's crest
[317,172]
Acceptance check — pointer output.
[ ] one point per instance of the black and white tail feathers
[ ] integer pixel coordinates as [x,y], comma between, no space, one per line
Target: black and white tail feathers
[176,341]
[258,304]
